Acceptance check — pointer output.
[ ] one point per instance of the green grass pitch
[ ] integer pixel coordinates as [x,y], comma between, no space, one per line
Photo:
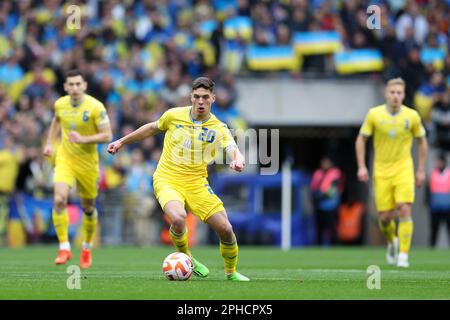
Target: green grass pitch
[304,273]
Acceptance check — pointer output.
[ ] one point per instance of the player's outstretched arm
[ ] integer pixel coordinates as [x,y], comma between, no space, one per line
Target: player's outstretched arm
[52,135]
[237,159]
[360,146]
[423,150]
[145,131]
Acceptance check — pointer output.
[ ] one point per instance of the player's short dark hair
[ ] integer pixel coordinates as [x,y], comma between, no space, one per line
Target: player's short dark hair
[203,82]
[73,73]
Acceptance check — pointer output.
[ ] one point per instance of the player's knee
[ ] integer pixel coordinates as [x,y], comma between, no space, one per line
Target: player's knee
[60,201]
[225,230]
[404,210]
[385,218]
[88,209]
[178,222]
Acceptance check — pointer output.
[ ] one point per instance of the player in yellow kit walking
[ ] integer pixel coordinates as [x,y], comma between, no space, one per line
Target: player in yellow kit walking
[84,123]
[193,135]
[393,127]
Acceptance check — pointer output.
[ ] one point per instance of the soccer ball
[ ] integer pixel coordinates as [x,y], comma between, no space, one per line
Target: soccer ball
[177,266]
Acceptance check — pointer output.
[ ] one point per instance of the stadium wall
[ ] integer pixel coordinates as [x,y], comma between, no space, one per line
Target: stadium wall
[288,102]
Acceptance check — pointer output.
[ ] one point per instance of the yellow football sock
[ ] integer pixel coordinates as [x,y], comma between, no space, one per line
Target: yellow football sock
[405,233]
[180,241]
[388,230]
[229,253]
[89,225]
[61,223]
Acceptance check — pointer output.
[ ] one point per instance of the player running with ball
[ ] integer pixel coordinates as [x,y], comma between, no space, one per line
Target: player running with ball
[180,181]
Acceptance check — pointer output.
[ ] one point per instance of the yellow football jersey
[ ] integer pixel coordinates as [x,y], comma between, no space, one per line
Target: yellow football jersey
[86,119]
[190,145]
[393,135]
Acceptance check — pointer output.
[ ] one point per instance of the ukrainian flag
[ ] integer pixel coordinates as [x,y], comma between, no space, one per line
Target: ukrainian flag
[207,28]
[434,56]
[272,58]
[235,26]
[223,6]
[360,60]
[320,42]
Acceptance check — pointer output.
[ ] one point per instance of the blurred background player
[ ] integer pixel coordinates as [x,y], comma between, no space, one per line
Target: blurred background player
[181,180]
[393,126]
[84,123]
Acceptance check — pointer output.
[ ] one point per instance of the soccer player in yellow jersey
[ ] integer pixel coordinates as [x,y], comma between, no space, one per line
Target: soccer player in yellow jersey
[192,136]
[84,123]
[393,127]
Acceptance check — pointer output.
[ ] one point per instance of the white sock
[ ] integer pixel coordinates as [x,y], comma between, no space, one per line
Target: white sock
[64,246]
[86,245]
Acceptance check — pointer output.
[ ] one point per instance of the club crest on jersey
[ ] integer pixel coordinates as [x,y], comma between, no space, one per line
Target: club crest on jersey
[392,133]
[406,124]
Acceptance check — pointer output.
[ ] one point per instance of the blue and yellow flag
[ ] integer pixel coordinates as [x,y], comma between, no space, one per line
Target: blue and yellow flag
[207,28]
[360,60]
[223,6]
[272,58]
[235,26]
[318,42]
[434,56]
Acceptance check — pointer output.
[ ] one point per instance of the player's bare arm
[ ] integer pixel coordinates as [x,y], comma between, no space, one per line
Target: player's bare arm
[422,150]
[104,135]
[237,159]
[360,145]
[55,126]
[145,131]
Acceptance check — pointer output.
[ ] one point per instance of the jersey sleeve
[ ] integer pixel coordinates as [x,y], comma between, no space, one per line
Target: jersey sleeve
[100,116]
[367,127]
[164,121]
[56,109]
[417,128]
[227,142]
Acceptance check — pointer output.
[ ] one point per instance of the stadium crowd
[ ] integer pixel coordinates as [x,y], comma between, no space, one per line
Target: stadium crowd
[139,58]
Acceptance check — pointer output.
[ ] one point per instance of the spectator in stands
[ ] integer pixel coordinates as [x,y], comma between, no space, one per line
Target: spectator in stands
[243,9]
[414,73]
[226,111]
[283,35]
[429,93]
[412,18]
[140,203]
[348,15]
[439,197]
[440,117]
[326,187]
[174,90]
[299,20]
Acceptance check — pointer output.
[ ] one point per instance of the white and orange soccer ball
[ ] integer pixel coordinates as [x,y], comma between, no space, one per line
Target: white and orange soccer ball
[177,266]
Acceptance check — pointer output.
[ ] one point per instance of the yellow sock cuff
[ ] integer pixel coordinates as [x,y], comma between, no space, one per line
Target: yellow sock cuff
[90,215]
[173,234]
[180,240]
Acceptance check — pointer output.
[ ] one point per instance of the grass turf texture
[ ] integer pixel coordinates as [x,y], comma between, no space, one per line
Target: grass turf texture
[306,273]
